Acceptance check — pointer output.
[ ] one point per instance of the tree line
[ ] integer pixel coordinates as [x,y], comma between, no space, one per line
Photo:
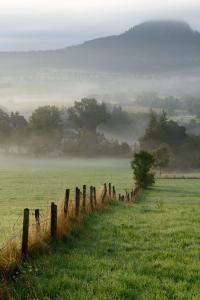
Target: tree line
[171,104]
[66,131]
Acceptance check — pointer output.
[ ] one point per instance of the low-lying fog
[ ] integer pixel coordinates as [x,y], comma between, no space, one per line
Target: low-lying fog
[27,163]
[26,93]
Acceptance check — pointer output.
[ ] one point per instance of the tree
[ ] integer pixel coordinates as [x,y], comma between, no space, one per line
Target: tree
[142,164]
[5,128]
[162,131]
[18,121]
[19,130]
[88,114]
[45,119]
[46,130]
[161,158]
[153,123]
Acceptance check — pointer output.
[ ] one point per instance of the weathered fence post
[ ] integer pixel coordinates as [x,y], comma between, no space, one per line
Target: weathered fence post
[132,195]
[84,196]
[66,202]
[110,188]
[37,219]
[53,220]
[91,198]
[128,197]
[113,192]
[25,233]
[95,196]
[104,193]
[77,202]
[120,197]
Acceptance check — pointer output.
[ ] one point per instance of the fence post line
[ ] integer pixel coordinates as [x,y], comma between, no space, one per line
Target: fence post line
[110,188]
[77,202]
[66,202]
[91,198]
[37,219]
[95,196]
[53,220]
[25,233]
[84,196]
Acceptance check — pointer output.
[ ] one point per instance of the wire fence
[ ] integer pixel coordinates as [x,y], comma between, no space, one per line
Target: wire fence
[54,219]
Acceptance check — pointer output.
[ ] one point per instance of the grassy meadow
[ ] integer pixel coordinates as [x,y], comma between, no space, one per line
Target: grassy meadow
[35,183]
[146,250]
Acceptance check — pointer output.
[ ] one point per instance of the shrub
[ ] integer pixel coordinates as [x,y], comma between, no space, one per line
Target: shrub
[141,165]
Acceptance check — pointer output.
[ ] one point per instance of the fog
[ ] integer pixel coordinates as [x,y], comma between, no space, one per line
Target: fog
[25,95]
[16,162]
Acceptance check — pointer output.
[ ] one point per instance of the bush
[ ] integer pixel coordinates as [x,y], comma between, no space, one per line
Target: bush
[142,163]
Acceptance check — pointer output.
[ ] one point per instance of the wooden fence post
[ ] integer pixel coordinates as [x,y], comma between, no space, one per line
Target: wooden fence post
[91,198]
[66,202]
[77,202]
[132,195]
[84,196]
[110,188]
[128,197]
[53,220]
[120,197]
[114,192]
[37,219]
[25,233]
[104,193]
[95,196]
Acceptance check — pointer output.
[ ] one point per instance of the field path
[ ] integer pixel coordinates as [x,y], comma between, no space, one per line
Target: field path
[148,250]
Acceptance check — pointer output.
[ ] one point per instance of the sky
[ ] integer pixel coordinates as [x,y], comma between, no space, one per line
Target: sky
[51,24]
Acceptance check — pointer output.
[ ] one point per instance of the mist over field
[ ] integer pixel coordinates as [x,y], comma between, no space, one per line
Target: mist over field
[25,95]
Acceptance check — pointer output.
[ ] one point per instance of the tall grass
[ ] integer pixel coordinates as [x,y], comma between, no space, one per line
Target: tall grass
[10,255]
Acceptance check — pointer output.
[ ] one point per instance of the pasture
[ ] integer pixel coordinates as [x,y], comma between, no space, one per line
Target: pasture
[146,250]
[35,183]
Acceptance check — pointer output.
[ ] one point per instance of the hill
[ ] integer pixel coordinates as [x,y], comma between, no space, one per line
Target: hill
[155,46]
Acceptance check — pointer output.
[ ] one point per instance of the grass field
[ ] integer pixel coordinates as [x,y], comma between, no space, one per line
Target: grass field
[145,251]
[36,183]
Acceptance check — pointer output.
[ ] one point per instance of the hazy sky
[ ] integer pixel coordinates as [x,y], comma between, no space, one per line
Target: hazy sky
[49,24]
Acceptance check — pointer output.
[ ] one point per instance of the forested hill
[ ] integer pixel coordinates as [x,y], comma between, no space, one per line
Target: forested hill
[155,46]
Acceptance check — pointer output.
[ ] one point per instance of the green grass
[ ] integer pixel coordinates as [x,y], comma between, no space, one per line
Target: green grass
[36,183]
[146,251]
